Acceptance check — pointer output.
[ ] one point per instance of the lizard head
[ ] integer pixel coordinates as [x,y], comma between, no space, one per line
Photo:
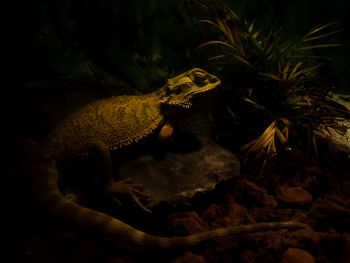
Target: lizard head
[179,91]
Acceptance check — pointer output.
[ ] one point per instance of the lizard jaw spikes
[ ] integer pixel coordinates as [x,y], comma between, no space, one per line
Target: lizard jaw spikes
[183,105]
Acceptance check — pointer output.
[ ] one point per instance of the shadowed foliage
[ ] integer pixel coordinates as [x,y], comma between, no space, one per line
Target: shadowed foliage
[285,72]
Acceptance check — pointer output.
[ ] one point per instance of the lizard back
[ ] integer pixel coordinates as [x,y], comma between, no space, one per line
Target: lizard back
[116,121]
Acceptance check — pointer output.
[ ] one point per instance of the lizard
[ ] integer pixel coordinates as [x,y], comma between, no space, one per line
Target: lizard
[111,124]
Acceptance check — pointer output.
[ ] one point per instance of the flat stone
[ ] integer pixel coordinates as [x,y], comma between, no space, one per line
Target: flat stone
[293,196]
[179,176]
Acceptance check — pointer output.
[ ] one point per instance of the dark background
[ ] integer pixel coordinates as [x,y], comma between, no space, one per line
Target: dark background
[142,42]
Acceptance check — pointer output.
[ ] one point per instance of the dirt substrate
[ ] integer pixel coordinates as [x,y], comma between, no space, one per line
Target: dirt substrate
[318,197]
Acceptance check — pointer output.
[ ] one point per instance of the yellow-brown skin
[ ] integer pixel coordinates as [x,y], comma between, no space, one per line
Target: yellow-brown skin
[111,124]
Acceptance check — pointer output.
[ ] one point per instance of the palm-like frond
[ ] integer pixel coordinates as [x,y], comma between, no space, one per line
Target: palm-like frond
[229,26]
[311,34]
[291,65]
[266,142]
[217,42]
[288,76]
[318,46]
[308,43]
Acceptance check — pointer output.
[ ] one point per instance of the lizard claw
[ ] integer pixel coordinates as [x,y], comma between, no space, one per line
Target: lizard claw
[126,187]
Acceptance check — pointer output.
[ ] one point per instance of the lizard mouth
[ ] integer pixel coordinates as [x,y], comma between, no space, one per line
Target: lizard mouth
[183,105]
[187,103]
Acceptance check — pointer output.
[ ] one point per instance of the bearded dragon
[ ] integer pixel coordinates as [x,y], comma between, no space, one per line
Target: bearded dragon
[111,124]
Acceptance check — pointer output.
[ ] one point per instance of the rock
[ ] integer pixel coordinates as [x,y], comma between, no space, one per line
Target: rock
[248,256]
[254,194]
[268,244]
[213,213]
[239,214]
[189,257]
[310,176]
[303,238]
[217,217]
[330,212]
[186,223]
[263,214]
[295,255]
[341,141]
[293,196]
[179,176]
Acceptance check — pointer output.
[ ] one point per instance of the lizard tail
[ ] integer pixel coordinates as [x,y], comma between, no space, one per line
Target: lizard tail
[44,176]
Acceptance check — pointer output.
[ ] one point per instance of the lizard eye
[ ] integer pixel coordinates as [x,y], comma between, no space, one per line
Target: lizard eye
[199,77]
[177,90]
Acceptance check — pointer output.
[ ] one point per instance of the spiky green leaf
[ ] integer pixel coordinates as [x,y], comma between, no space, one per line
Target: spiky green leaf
[216,57]
[315,30]
[210,22]
[271,76]
[216,42]
[322,36]
[319,46]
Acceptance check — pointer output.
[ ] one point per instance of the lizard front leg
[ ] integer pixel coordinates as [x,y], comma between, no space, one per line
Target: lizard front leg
[114,188]
[166,132]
